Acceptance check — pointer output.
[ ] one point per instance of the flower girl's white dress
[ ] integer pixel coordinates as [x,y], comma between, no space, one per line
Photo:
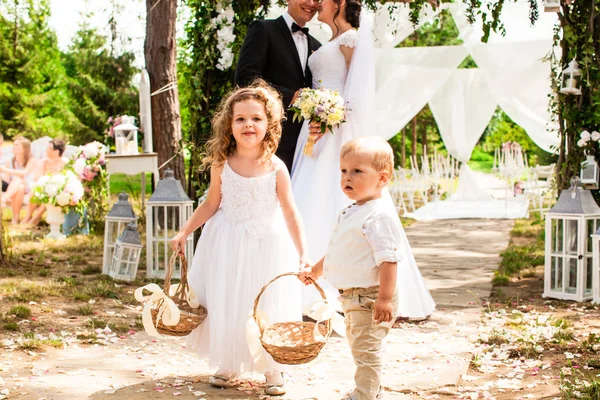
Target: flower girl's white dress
[316,178]
[242,247]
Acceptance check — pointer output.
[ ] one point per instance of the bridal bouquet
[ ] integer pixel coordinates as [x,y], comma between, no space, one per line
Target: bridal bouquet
[62,190]
[323,106]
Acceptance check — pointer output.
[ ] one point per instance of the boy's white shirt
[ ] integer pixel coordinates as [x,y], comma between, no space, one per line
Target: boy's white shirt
[365,236]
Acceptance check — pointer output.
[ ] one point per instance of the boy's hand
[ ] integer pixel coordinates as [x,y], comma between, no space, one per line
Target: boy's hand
[306,273]
[382,311]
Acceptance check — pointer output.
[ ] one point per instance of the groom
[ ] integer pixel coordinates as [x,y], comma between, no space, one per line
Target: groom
[277,51]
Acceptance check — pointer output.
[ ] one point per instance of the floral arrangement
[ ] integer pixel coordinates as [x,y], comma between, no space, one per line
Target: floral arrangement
[586,137]
[224,23]
[323,106]
[89,165]
[63,190]
[88,162]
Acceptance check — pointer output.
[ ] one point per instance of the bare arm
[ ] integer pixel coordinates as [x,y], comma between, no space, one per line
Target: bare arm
[382,309]
[31,165]
[347,52]
[291,214]
[314,272]
[204,212]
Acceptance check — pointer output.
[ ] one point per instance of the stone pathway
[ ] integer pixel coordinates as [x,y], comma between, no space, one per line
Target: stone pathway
[457,259]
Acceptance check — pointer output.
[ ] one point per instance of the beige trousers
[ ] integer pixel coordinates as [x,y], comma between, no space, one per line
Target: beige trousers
[365,338]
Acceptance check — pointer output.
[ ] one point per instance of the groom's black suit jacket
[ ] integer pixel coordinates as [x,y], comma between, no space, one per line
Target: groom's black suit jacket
[269,52]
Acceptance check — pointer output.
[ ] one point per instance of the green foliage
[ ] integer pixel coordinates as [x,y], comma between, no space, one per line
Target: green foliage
[99,84]
[32,88]
[44,92]
[206,84]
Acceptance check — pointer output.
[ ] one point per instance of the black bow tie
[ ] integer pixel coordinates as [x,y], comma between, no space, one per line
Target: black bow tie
[296,28]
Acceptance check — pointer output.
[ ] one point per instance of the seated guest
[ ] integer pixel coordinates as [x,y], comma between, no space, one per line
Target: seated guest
[54,162]
[21,170]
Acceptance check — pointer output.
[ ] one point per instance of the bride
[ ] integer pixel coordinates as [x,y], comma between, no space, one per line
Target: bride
[346,63]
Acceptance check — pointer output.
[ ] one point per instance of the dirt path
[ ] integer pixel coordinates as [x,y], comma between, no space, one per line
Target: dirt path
[457,259]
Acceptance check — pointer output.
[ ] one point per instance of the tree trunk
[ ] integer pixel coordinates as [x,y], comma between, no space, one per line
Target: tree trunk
[403,151]
[414,141]
[160,51]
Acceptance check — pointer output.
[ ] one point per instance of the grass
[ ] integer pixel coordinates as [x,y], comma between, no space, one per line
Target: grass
[20,312]
[525,251]
[11,326]
[85,310]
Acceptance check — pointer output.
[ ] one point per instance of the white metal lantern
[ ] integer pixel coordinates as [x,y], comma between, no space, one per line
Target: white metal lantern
[126,137]
[596,266]
[570,79]
[551,5]
[590,172]
[568,263]
[167,211]
[126,255]
[115,222]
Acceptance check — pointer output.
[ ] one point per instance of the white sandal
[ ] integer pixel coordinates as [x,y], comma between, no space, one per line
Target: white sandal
[276,388]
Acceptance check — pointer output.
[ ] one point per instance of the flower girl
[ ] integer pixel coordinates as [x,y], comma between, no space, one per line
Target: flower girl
[253,233]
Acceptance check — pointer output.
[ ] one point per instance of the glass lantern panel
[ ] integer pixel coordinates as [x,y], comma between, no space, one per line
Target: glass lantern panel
[556,270]
[571,226]
[557,239]
[124,267]
[589,268]
[158,216]
[590,228]
[571,276]
[172,224]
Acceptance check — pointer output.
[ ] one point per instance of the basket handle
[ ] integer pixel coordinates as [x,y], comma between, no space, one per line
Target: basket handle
[182,289]
[257,300]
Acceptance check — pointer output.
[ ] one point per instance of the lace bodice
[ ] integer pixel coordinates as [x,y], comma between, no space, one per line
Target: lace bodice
[328,65]
[248,199]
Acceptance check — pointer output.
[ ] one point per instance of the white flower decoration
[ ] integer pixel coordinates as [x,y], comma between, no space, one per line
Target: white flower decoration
[595,136]
[585,135]
[582,143]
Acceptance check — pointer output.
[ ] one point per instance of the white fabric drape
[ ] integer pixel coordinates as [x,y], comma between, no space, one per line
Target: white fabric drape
[392,24]
[407,78]
[519,80]
[462,108]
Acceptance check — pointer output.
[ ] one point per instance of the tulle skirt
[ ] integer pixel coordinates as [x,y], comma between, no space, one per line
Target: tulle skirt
[233,261]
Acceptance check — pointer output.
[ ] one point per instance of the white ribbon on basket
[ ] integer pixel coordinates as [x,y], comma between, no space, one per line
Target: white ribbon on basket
[320,310]
[168,312]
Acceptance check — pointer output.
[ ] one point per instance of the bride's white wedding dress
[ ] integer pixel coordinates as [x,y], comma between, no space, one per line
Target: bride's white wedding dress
[316,178]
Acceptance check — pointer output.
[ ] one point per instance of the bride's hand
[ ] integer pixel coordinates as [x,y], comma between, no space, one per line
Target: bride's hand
[314,130]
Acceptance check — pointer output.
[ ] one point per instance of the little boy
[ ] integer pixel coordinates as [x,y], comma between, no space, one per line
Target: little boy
[362,257]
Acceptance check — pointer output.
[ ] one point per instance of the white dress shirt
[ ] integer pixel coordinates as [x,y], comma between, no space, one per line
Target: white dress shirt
[300,39]
[366,236]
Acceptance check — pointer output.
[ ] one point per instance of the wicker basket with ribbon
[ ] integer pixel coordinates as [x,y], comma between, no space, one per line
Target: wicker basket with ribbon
[173,310]
[292,343]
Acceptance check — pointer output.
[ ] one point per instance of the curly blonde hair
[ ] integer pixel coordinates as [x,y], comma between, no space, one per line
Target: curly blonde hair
[222,143]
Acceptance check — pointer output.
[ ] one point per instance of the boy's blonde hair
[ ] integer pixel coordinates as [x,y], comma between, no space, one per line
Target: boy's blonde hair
[222,144]
[380,151]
